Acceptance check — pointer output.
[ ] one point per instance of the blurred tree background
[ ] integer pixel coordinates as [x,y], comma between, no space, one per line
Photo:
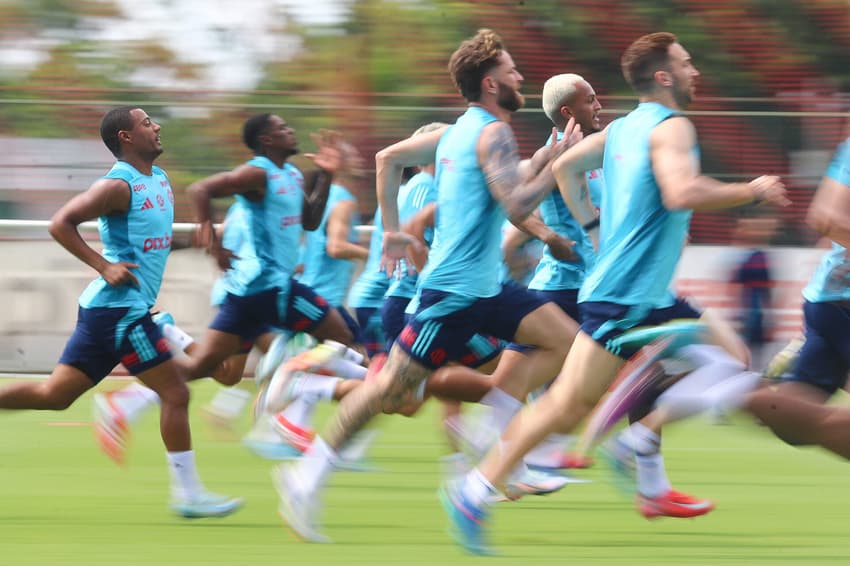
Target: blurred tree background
[772,97]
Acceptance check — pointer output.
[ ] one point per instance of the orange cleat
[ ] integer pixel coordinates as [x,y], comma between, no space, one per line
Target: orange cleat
[110,427]
[673,504]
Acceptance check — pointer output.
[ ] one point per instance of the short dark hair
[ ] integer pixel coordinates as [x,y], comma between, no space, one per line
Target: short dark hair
[253,129]
[648,54]
[472,60]
[113,122]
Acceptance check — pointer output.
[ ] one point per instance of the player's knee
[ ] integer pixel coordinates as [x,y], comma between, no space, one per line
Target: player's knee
[176,395]
[57,401]
[227,375]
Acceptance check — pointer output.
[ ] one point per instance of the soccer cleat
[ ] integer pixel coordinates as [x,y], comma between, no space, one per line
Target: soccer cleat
[271,450]
[271,360]
[297,508]
[534,482]
[295,436]
[207,505]
[110,427]
[264,441]
[466,521]
[781,363]
[576,461]
[621,460]
[673,504]
[564,461]
[281,387]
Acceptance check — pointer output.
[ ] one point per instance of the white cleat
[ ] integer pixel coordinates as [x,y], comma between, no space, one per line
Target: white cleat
[533,482]
[271,360]
[297,508]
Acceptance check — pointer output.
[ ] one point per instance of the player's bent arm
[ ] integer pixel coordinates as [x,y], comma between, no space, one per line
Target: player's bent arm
[317,187]
[498,156]
[569,170]
[245,179]
[513,239]
[389,164]
[105,197]
[338,228]
[829,212]
[676,167]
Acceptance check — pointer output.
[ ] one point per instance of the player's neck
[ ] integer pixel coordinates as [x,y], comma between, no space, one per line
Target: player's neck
[278,159]
[665,98]
[141,164]
[493,108]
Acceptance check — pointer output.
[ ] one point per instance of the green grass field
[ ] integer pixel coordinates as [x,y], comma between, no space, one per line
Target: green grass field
[63,503]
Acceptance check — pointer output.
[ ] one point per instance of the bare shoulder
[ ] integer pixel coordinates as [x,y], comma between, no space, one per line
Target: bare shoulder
[674,131]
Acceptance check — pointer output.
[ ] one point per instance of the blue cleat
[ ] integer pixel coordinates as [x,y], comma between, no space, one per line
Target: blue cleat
[270,450]
[621,460]
[207,505]
[467,521]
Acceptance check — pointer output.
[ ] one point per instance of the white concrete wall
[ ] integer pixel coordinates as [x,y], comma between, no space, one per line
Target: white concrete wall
[40,283]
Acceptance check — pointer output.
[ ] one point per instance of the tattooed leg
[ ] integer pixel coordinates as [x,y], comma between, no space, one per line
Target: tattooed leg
[392,388]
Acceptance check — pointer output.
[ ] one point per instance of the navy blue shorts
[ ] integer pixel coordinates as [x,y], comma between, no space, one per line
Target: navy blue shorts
[566,299]
[105,337]
[299,310]
[444,323]
[351,324]
[825,357]
[393,318]
[369,319]
[604,322]
[479,349]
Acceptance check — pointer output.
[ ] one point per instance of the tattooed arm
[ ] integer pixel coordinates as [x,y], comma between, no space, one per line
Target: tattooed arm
[498,156]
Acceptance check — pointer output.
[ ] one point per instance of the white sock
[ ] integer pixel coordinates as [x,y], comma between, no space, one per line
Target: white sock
[229,402]
[642,440]
[346,369]
[651,476]
[185,483]
[477,489]
[320,386]
[134,400]
[176,335]
[315,465]
[503,406]
[720,382]
[300,411]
